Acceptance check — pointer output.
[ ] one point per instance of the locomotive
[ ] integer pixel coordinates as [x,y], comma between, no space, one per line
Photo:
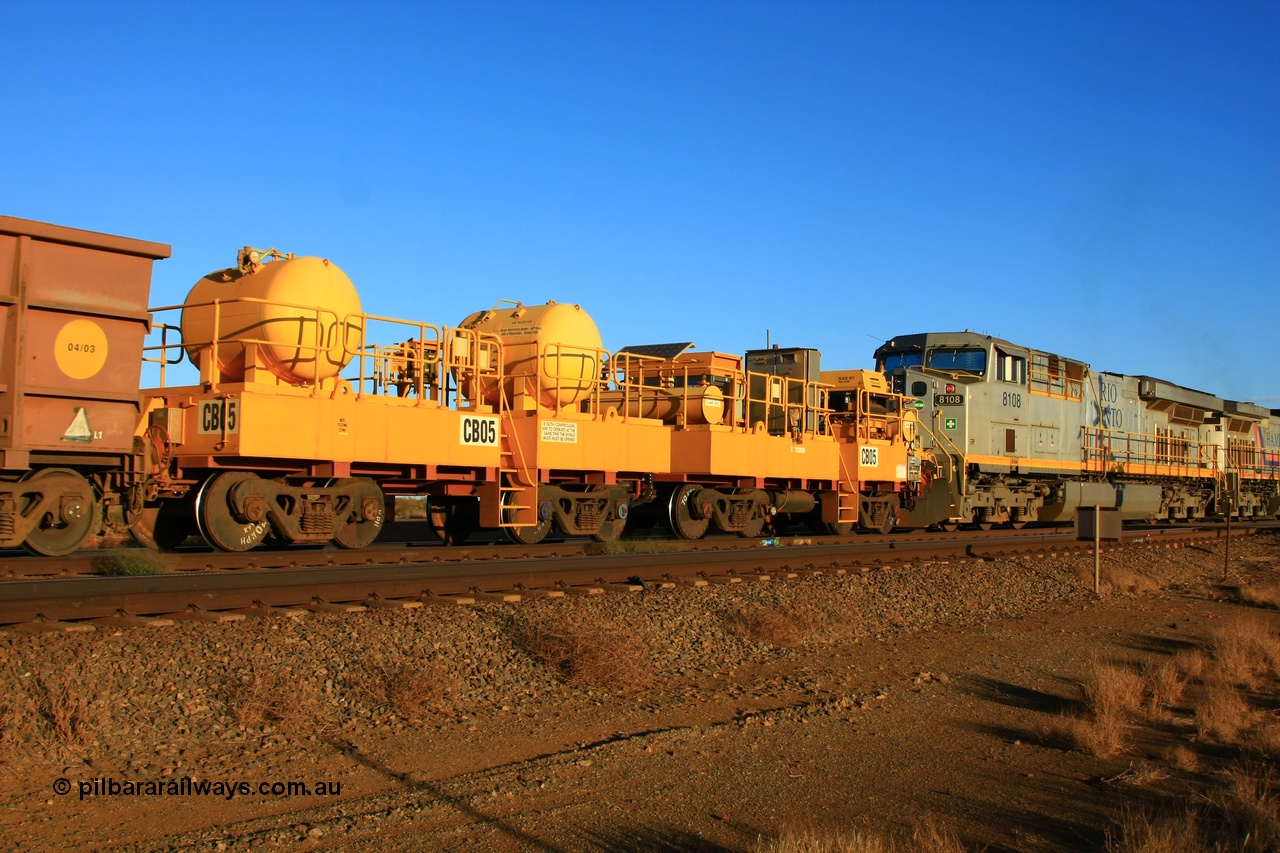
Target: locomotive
[1024,435]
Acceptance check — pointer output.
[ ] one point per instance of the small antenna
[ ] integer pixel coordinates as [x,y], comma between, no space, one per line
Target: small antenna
[766,339]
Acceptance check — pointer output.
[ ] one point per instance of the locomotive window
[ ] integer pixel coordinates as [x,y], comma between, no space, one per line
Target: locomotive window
[894,361]
[1011,368]
[919,389]
[959,360]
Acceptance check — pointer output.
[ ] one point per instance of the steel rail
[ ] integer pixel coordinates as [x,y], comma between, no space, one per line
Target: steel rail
[61,599]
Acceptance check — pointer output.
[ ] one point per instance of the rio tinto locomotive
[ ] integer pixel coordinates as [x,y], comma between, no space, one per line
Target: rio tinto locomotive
[1023,435]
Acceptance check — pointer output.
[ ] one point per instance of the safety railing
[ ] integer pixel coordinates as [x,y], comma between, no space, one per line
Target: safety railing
[311,348]
[1248,458]
[1162,454]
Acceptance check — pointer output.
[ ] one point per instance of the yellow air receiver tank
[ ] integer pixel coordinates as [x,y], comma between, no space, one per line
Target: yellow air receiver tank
[551,353]
[300,318]
[692,406]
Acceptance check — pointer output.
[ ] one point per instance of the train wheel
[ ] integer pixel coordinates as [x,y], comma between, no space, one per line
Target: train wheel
[453,519]
[164,525]
[531,534]
[948,526]
[71,516]
[215,520]
[680,514]
[361,521]
[839,528]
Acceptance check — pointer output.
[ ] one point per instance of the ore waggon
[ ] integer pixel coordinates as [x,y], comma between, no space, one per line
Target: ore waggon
[73,318]
[1024,435]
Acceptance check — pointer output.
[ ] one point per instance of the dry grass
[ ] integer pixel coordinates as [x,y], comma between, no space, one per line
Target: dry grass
[1112,695]
[772,626]
[928,836]
[1243,815]
[410,690]
[1163,684]
[72,719]
[1246,650]
[1262,595]
[1221,712]
[1265,740]
[1249,810]
[1141,832]
[1121,579]
[1104,736]
[1116,580]
[1183,758]
[590,656]
[258,700]
[1111,689]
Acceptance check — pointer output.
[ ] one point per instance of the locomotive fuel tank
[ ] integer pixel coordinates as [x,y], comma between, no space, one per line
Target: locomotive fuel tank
[297,317]
[551,354]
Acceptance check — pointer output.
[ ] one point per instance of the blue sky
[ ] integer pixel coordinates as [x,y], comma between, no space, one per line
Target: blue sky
[1096,179]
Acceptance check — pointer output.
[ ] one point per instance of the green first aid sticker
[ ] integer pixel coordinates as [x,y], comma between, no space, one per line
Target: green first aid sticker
[950,423]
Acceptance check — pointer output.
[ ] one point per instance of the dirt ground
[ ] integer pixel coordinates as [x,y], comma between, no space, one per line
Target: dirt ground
[735,732]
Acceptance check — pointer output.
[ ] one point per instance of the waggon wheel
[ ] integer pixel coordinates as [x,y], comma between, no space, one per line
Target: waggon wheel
[359,522]
[948,526]
[164,525]
[215,520]
[839,528]
[531,534]
[453,519]
[70,513]
[681,513]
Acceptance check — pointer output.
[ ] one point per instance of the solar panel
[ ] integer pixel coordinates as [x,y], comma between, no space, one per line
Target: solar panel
[667,351]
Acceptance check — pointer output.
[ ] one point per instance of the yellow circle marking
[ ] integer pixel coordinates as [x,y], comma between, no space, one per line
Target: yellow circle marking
[81,349]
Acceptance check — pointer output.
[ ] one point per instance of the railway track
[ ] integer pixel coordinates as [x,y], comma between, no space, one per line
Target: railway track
[221,587]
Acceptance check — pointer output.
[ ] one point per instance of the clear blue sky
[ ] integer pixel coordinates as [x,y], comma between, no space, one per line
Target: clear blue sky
[1096,179]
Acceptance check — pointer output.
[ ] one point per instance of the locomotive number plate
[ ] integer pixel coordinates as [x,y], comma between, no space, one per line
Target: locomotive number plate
[869,457]
[479,432]
[218,417]
[948,399]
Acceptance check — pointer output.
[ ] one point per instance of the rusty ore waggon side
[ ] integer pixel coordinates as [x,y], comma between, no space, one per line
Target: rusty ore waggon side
[1023,435]
[73,316]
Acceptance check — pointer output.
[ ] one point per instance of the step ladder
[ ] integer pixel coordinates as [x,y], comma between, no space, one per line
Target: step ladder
[846,502]
[519,503]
